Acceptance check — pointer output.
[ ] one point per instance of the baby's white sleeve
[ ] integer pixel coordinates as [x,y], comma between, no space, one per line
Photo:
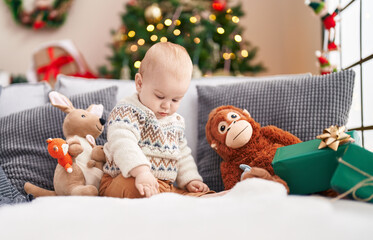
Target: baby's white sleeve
[187,168]
[123,136]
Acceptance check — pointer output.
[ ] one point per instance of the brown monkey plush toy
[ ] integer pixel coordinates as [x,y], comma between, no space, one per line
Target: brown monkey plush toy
[238,139]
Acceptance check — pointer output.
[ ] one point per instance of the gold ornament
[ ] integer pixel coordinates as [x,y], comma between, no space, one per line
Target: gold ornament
[334,136]
[153,13]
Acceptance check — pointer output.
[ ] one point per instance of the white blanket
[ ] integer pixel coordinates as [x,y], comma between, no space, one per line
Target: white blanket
[254,209]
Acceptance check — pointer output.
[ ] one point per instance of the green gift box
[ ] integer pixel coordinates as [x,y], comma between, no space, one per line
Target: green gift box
[307,169]
[354,174]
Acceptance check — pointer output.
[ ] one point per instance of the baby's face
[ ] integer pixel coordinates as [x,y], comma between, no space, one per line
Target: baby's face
[162,92]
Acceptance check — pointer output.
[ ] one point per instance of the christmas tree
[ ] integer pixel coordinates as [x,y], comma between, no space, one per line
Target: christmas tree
[209,31]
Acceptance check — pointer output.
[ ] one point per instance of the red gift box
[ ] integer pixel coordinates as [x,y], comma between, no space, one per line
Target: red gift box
[51,61]
[57,57]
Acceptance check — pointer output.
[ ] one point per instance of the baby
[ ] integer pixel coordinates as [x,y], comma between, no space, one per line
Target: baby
[147,150]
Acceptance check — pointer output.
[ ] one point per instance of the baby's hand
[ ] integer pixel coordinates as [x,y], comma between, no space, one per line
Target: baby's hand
[147,184]
[197,186]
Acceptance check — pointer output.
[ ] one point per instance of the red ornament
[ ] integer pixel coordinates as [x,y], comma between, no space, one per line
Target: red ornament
[323,61]
[219,5]
[325,66]
[38,25]
[332,46]
[329,21]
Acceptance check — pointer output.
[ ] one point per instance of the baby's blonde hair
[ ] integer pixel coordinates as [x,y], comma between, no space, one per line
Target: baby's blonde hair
[167,55]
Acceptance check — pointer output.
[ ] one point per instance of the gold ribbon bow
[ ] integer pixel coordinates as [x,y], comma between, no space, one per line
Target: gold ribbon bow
[334,136]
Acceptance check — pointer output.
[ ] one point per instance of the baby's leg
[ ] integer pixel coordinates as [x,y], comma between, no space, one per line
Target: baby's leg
[216,194]
[119,187]
[194,194]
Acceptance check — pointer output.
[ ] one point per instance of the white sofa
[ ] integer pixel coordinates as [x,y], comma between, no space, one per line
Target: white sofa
[254,209]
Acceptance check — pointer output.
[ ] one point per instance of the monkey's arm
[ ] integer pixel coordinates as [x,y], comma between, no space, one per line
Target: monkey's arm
[230,173]
[279,136]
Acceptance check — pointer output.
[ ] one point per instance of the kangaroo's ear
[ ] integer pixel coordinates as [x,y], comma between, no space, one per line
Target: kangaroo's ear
[60,101]
[97,110]
[91,140]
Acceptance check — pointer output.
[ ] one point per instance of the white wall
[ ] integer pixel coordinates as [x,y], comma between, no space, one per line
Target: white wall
[286,32]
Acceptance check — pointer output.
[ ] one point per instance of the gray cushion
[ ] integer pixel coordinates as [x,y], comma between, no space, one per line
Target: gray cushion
[69,85]
[23,150]
[303,106]
[8,194]
[33,95]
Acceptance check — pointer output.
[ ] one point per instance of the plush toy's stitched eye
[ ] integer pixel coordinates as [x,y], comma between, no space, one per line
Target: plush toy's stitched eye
[55,148]
[222,127]
[233,116]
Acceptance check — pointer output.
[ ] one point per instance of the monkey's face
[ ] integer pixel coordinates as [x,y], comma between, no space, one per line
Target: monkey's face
[230,127]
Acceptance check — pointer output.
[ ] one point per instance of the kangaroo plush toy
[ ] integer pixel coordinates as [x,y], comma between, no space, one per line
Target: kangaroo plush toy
[80,128]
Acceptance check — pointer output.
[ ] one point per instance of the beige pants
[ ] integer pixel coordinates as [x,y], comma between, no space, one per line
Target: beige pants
[125,188]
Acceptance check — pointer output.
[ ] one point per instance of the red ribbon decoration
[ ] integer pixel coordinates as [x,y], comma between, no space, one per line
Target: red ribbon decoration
[54,66]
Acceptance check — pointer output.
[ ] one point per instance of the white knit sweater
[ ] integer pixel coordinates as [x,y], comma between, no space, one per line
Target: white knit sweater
[136,137]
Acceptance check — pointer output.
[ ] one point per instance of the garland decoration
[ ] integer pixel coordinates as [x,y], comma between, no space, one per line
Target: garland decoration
[38,14]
